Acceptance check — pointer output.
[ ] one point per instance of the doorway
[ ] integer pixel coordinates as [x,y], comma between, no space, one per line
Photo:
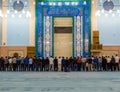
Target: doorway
[63,42]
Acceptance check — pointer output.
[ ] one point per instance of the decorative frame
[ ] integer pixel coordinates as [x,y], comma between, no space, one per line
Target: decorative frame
[81,30]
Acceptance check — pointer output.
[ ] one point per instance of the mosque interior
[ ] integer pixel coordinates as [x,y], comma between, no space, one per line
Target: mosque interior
[59,28]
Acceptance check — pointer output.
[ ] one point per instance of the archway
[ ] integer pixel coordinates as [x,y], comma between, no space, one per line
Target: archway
[79,12]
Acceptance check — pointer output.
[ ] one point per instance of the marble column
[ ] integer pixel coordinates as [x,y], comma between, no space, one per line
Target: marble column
[4,22]
[32,23]
[93,16]
[0,23]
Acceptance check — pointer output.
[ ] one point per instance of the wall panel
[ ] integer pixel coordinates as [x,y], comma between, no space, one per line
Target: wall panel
[18,25]
[0,23]
[109,24]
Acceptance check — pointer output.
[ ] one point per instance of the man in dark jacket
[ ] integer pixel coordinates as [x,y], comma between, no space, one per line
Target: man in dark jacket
[55,64]
[63,64]
[0,63]
[67,65]
[47,64]
[112,64]
[104,63]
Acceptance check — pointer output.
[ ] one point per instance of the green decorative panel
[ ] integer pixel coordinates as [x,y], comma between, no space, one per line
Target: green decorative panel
[79,10]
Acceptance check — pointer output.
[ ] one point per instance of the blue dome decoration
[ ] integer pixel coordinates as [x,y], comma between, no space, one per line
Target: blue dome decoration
[108,5]
[18,5]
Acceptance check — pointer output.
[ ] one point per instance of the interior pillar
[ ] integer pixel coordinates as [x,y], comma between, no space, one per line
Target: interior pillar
[4,22]
[93,16]
[32,23]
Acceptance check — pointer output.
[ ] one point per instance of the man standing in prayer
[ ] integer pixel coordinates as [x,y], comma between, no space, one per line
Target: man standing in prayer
[59,63]
[116,62]
[51,66]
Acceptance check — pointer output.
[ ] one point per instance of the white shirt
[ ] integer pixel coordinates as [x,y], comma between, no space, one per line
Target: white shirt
[51,60]
[14,60]
[116,59]
[92,59]
[10,60]
[83,59]
[30,61]
[108,60]
[59,60]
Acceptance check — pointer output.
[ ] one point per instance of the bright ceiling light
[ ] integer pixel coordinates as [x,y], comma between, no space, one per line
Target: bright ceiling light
[73,3]
[106,14]
[1,15]
[34,3]
[67,3]
[84,2]
[42,3]
[103,11]
[18,1]
[97,13]
[59,3]
[50,3]
[23,11]
[110,11]
[28,14]
[118,11]
[13,15]
[54,3]
[5,15]
[93,2]
[16,11]
[113,15]
[20,16]
[8,11]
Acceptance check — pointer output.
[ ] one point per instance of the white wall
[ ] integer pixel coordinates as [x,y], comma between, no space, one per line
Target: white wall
[109,26]
[18,28]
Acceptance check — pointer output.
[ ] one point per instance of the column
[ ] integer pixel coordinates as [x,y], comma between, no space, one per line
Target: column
[93,16]
[4,22]
[32,23]
[0,23]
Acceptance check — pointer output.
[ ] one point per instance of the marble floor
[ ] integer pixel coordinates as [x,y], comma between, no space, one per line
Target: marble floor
[59,82]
